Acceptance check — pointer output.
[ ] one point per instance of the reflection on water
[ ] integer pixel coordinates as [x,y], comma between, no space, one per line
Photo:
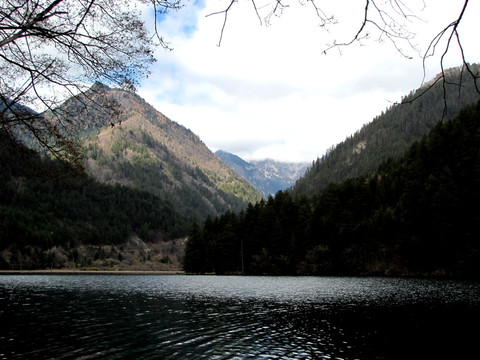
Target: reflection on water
[194,317]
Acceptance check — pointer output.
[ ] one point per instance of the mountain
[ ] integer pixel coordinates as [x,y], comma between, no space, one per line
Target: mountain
[137,146]
[417,215]
[267,176]
[146,178]
[16,113]
[390,134]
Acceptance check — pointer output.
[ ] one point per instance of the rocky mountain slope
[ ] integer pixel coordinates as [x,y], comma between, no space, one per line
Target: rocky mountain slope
[136,145]
[267,176]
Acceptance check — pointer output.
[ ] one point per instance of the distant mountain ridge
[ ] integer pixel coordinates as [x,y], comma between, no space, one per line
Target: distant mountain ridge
[267,176]
[390,134]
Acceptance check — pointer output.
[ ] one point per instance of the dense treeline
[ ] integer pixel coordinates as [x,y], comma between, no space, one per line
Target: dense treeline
[43,206]
[415,215]
[390,134]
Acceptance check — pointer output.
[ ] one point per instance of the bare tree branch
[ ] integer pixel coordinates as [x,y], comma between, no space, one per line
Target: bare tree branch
[386,25]
[51,49]
[225,14]
[387,20]
[161,7]
[54,49]
[451,34]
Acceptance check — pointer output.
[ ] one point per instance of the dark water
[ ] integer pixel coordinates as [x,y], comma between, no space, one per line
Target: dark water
[201,317]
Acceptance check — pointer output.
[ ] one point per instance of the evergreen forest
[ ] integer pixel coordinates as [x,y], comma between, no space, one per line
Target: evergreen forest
[44,206]
[414,215]
[391,133]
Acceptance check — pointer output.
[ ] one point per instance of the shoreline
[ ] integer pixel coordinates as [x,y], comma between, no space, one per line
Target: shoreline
[91,272]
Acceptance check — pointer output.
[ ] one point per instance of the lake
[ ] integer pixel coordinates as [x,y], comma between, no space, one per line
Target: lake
[236,317]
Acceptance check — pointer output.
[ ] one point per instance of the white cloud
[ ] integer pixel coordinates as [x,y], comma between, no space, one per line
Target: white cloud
[269,91]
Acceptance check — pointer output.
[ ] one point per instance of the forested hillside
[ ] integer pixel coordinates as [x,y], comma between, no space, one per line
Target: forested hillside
[417,215]
[390,134]
[50,217]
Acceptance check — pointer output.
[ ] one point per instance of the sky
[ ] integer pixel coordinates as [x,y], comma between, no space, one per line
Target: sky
[270,91]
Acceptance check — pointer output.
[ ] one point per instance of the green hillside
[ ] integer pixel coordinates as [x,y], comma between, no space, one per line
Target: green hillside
[390,134]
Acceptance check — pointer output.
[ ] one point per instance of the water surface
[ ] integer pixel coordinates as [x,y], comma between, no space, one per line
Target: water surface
[215,317]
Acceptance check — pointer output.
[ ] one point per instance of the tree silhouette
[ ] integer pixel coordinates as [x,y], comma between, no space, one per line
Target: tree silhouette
[54,49]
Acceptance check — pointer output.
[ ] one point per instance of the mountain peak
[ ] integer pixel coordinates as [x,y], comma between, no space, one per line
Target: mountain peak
[267,176]
[99,86]
[138,146]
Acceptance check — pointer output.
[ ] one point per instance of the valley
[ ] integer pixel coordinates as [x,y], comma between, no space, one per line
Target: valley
[152,197]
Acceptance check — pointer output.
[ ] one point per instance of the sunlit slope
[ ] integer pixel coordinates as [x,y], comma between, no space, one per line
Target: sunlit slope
[140,147]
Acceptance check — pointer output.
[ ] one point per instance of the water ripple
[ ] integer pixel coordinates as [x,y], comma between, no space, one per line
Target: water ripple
[173,317]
